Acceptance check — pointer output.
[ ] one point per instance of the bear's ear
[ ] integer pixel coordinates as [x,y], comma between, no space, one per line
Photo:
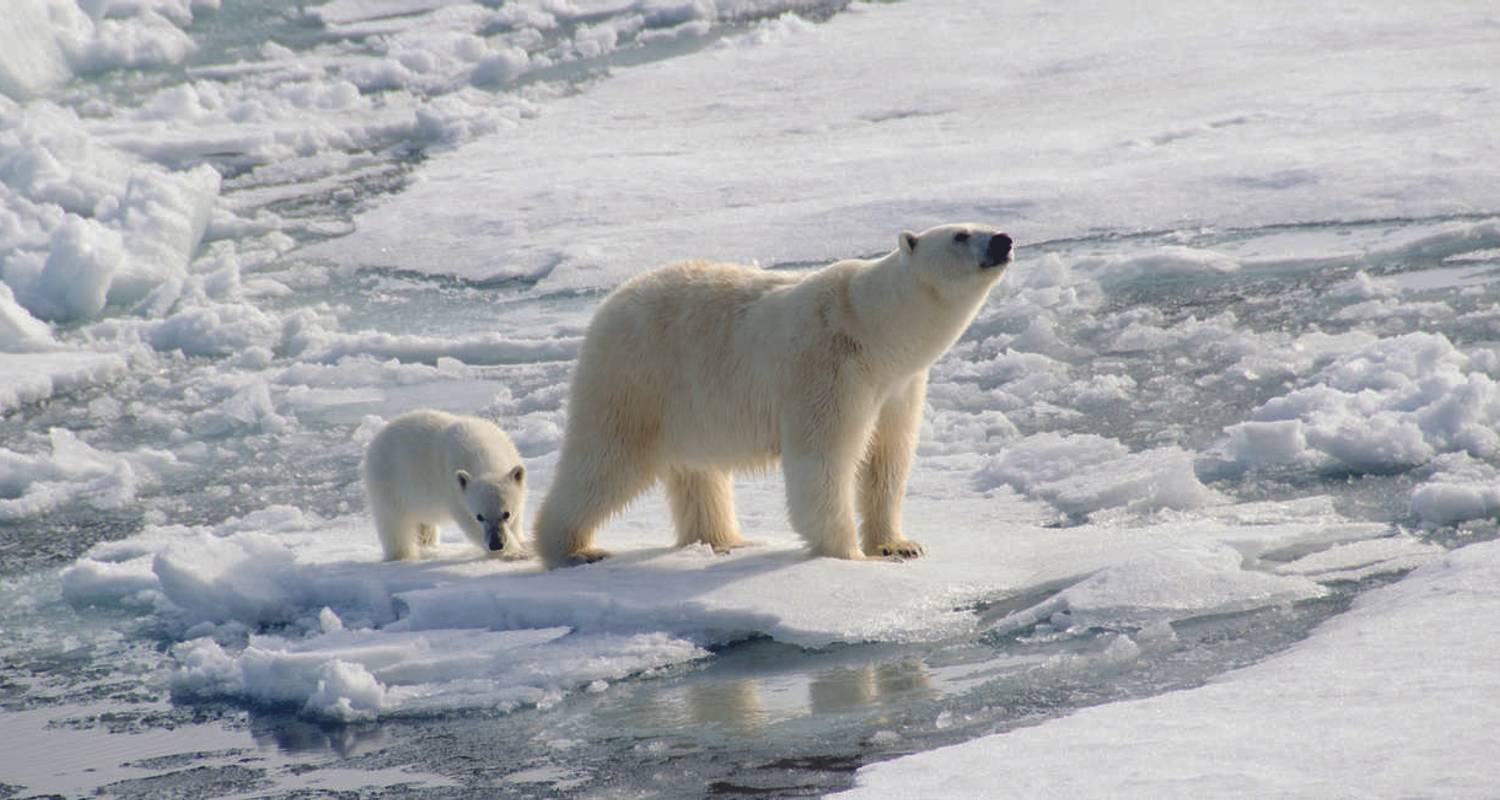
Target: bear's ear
[463,479]
[518,474]
[908,242]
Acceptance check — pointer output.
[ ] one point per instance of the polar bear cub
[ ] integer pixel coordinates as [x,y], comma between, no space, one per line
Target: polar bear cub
[425,466]
[695,370]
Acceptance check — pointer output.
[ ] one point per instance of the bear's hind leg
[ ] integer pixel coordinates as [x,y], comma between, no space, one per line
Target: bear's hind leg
[703,508]
[399,534]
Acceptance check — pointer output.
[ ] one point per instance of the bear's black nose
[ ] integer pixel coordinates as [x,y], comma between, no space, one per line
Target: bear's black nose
[999,248]
[997,251]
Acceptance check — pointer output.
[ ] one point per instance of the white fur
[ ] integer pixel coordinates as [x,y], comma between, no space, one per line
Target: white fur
[695,370]
[427,466]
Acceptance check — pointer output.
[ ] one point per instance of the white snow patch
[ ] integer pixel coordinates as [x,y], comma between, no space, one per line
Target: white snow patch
[1392,403]
[1080,474]
[32,377]
[82,223]
[1460,489]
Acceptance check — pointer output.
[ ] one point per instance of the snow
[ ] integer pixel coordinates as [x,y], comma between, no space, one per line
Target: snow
[91,223]
[73,472]
[19,330]
[1392,403]
[1055,128]
[1085,473]
[45,42]
[27,378]
[1461,488]
[1363,706]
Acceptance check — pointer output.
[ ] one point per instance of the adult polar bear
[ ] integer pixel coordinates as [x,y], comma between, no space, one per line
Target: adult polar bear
[695,370]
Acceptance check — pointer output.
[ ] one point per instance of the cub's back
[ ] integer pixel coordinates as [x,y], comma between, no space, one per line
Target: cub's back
[426,442]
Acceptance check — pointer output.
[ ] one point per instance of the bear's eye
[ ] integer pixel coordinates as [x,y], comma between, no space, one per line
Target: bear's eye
[505,516]
[479,517]
[961,237]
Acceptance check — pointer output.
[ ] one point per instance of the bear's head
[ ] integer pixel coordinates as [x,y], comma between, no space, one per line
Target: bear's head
[957,260]
[494,500]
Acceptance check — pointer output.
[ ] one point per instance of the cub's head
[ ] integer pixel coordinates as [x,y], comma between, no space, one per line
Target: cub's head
[494,501]
[957,260]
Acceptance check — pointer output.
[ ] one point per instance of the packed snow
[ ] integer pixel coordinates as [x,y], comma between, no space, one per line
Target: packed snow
[1051,122]
[1246,363]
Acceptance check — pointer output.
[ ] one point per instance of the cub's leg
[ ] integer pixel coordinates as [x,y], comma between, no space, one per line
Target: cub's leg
[703,508]
[399,533]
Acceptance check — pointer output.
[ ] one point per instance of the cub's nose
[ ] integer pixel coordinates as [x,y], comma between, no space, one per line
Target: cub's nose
[999,249]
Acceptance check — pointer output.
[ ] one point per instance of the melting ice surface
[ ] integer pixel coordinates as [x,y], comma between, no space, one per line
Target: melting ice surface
[1242,377]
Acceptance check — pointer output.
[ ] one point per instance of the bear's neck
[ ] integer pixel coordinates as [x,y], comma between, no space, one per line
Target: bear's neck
[905,325]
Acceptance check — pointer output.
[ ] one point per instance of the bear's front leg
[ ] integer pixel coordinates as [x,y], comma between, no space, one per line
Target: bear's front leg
[883,471]
[820,458]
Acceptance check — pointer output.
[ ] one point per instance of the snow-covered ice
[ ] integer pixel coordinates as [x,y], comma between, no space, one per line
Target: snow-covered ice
[1053,122]
[650,607]
[1365,705]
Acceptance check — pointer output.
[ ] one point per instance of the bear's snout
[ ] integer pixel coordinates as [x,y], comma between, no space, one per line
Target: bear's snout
[998,251]
[496,539]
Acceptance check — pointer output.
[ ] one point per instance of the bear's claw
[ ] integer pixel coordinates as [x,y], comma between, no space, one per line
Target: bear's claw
[903,550]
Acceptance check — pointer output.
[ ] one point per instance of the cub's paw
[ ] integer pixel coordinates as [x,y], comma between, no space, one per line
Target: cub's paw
[901,550]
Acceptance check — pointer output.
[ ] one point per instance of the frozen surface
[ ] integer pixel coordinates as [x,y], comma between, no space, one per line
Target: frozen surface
[1397,402]
[371,638]
[1044,119]
[1364,706]
[72,473]
[1461,488]
[31,377]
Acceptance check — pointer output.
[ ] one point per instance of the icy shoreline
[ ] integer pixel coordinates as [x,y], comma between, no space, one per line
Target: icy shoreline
[1388,699]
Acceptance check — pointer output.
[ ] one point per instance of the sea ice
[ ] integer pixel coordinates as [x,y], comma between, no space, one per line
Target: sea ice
[329,613]
[1365,704]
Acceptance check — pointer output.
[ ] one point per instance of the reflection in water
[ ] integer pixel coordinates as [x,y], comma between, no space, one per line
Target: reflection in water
[850,688]
[733,705]
[748,704]
[293,735]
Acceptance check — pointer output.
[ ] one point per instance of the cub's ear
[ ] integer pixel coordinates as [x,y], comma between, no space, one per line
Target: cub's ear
[518,474]
[463,479]
[908,242]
